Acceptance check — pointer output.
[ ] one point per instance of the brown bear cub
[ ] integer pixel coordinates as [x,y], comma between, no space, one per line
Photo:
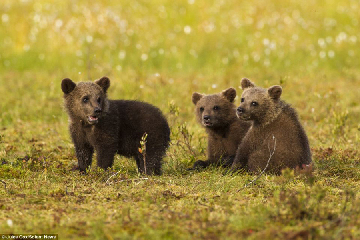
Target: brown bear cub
[275,130]
[113,126]
[217,113]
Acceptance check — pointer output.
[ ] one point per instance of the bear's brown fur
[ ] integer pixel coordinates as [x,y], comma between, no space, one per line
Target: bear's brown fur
[275,128]
[113,126]
[217,113]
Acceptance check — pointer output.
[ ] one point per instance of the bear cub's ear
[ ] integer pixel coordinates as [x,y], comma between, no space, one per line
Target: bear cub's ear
[196,97]
[67,85]
[275,92]
[229,94]
[246,83]
[104,83]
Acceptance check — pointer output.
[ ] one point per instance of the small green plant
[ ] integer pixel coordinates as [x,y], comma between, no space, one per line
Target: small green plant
[173,109]
[340,120]
[142,149]
[185,148]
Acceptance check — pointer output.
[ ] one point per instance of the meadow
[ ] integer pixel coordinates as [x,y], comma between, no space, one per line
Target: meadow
[162,51]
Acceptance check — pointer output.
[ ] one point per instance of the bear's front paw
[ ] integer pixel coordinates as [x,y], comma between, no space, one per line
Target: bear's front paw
[77,168]
[199,165]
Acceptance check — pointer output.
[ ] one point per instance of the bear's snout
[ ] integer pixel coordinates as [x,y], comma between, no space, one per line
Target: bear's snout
[206,117]
[207,121]
[243,114]
[240,110]
[97,110]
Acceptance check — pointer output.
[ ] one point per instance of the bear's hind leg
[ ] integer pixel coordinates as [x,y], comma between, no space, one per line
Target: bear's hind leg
[140,163]
[151,163]
[152,166]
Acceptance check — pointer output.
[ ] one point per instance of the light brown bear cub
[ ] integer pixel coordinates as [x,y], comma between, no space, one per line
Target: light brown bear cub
[275,128]
[113,126]
[217,113]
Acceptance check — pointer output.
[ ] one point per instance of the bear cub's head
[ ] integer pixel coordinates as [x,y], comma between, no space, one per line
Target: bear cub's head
[216,110]
[259,104]
[86,101]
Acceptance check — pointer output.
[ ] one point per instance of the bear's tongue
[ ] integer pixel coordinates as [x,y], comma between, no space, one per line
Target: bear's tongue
[207,123]
[93,118]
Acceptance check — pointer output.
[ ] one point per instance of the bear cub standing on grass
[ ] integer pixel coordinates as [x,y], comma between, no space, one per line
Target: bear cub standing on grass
[113,126]
[217,113]
[275,130]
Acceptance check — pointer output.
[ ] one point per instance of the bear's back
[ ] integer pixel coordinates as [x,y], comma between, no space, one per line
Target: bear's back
[134,119]
[285,137]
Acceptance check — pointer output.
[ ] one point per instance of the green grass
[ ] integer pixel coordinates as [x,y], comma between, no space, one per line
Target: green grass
[161,52]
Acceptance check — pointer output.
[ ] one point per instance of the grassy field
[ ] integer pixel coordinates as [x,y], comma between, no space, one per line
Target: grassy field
[162,51]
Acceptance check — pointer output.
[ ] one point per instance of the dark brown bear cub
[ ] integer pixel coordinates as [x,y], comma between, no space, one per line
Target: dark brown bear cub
[113,126]
[275,129]
[217,113]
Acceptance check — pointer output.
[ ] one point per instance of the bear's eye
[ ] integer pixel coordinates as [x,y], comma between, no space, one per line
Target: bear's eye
[254,104]
[242,99]
[201,109]
[85,99]
[99,100]
[216,107]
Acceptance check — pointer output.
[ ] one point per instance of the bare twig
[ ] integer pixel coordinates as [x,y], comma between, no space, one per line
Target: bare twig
[267,164]
[4,184]
[187,141]
[107,181]
[129,180]
[133,180]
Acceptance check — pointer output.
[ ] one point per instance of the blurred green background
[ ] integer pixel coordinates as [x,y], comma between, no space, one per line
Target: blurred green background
[161,51]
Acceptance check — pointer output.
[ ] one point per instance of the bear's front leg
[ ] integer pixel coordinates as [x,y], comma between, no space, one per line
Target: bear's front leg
[83,149]
[227,161]
[84,155]
[241,158]
[199,164]
[105,157]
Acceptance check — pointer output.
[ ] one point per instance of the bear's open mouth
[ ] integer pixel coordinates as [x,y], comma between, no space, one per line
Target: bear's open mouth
[207,123]
[242,116]
[92,119]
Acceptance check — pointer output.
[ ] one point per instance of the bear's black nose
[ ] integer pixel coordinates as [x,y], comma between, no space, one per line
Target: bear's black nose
[206,117]
[240,110]
[97,110]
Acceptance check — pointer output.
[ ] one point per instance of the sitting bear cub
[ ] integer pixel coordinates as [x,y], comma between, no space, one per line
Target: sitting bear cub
[113,126]
[275,129]
[217,113]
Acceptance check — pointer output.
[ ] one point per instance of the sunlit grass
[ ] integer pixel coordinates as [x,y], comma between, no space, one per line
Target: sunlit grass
[161,52]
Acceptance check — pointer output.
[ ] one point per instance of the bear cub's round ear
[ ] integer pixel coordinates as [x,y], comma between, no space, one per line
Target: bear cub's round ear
[196,97]
[246,83]
[104,83]
[229,94]
[67,85]
[275,92]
